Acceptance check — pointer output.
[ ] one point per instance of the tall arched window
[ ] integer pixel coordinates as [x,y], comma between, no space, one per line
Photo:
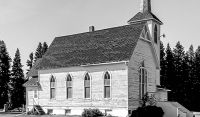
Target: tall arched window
[107,85]
[142,81]
[69,86]
[87,86]
[155,34]
[52,87]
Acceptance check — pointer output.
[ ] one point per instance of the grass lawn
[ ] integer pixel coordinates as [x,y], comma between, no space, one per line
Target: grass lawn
[24,115]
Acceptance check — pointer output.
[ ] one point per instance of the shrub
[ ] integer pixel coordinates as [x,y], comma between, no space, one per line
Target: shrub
[151,111]
[92,113]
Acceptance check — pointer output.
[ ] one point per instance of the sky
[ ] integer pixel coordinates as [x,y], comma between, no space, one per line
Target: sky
[25,23]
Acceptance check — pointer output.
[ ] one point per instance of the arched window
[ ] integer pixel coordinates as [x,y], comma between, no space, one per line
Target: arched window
[87,86]
[155,34]
[69,86]
[107,85]
[142,81]
[52,87]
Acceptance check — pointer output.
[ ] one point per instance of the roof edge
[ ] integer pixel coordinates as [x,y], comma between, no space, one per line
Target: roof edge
[129,22]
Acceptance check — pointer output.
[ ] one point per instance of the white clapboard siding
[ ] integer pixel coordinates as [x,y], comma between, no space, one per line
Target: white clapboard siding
[142,52]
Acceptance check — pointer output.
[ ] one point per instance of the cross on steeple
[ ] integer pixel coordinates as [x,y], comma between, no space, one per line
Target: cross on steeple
[145,6]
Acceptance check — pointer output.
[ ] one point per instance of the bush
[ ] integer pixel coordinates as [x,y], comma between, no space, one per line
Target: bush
[151,111]
[92,113]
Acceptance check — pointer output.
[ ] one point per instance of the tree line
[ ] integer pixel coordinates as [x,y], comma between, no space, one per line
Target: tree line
[12,77]
[180,72]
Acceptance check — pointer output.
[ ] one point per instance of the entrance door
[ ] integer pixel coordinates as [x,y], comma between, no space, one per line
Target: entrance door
[35,97]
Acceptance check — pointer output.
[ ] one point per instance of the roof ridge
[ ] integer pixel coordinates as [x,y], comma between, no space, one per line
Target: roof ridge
[82,33]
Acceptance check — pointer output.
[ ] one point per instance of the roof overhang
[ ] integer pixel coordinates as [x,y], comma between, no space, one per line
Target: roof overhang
[144,20]
[118,62]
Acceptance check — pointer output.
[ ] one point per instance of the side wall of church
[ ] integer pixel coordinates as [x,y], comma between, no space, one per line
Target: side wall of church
[143,51]
[117,104]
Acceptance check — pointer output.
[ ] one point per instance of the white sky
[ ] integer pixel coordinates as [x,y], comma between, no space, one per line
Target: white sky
[25,23]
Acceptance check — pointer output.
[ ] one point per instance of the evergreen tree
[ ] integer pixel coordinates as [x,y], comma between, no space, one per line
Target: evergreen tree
[38,53]
[4,74]
[44,48]
[188,66]
[196,79]
[163,77]
[179,76]
[17,81]
[29,63]
[170,72]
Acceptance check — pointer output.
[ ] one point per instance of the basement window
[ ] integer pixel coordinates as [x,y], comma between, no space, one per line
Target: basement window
[67,111]
[49,111]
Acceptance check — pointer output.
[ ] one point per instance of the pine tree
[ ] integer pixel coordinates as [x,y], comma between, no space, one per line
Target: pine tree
[188,66]
[4,74]
[170,72]
[29,63]
[38,53]
[17,81]
[179,75]
[163,78]
[196,78]
[44,48]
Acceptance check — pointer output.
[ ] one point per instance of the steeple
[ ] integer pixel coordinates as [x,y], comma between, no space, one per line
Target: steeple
[145,6]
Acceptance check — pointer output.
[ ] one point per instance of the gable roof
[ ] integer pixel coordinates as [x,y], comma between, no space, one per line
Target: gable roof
[34,71]
[31,82]
[102,46]
[143,17]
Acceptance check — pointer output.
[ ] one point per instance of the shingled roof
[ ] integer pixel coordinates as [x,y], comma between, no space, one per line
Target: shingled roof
[147,15]
[101,46]
[31,82]
[34,71]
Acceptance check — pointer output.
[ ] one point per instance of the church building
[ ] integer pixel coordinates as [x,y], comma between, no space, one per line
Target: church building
[109,69]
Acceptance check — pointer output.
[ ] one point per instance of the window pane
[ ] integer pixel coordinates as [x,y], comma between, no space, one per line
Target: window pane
[107,82]
[143,88]
[140,76]
[87,92]
[69,92]
[140,91]
[107,92]
[69,83]
[52,93]
[35,93]
[87,83]
[52,84]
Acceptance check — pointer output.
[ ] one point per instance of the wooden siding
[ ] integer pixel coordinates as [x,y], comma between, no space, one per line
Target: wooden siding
[119,87]
[143,51]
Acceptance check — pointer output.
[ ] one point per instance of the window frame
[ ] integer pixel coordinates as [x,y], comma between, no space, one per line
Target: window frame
[143,90]
[54,87]
[67,87]
[35,94]
[104,86]
[155,34]
[90,86]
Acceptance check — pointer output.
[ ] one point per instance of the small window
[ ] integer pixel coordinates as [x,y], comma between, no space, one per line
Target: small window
[52,87]
[49,111]
[155,34]
[35,93]
[87,86]
[107,85]
[67,111]
[142,82]
[69,87]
